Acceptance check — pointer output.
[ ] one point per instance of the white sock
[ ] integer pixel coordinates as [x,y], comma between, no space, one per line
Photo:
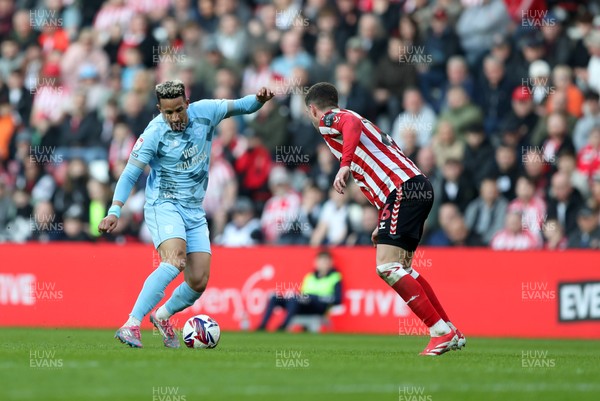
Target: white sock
[132,321]
[162,313]
[451,325]
[440,328]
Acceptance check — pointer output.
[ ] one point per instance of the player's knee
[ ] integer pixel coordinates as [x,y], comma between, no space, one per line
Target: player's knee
[390,272]
[176,258]
[198,283]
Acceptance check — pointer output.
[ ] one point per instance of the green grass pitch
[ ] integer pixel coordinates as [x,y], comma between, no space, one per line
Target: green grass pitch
[48,364]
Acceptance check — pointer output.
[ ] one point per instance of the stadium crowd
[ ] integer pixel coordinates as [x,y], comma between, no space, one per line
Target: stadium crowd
[498,105]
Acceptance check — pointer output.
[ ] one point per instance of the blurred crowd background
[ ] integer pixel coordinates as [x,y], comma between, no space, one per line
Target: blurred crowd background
[496,101]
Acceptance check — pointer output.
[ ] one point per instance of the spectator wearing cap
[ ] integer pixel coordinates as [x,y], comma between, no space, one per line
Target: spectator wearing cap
[244,228]
[562,80]
[417,116]
[493,94]
[478,24]
[89,82]
[564,201]
[590,119]
[440,44]
[479,154]
[514,237]
[588,158]
[74,226]
[281,210]
[587,233]
[592,75]
[461,113]
[485,214]
[539,81]
[356,57]
[522,119]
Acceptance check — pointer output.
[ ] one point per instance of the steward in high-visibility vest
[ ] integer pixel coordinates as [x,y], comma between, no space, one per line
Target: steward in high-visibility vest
[320,290]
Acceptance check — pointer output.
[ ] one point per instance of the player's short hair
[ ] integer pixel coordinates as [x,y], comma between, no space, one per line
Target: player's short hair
[322,95]
[170,90]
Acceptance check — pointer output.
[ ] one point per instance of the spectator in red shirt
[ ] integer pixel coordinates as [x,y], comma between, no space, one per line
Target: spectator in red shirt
[588,158]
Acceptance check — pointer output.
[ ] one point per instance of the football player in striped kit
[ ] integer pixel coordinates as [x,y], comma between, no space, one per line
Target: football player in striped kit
[401,193]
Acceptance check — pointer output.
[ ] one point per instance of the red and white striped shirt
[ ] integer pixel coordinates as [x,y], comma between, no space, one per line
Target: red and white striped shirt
[507,241]
[377,163]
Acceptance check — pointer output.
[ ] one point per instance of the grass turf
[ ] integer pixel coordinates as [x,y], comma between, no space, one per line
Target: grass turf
[48,364]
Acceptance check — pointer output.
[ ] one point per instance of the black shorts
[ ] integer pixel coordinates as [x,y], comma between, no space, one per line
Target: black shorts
[403,216]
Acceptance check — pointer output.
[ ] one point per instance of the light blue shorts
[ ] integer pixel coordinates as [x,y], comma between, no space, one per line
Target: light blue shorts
[170,220]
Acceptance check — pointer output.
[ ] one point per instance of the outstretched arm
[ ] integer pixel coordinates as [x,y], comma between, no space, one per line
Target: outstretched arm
[248,104]
[128,178]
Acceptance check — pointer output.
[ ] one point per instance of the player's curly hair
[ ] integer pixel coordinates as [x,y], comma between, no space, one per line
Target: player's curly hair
[323,95]
[170,90]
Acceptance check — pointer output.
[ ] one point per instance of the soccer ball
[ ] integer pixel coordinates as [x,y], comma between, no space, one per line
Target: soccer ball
[201,331]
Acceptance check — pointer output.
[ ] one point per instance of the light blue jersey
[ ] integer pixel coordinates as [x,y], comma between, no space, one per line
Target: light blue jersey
[179,163]
[179,160]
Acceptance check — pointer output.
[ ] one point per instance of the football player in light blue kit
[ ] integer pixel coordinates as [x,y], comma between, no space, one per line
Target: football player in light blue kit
[176,144]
